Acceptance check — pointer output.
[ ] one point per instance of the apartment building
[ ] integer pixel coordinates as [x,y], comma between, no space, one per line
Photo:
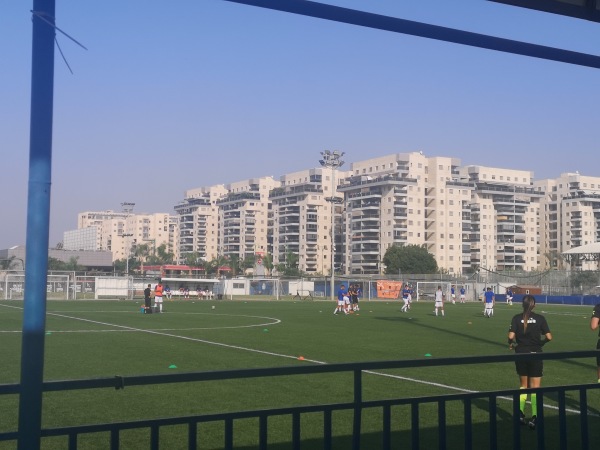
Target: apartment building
[120,232]
[245,217]
[505,216]
[570,217]
[198,216]
[466,216]
[302,219]
[404,199]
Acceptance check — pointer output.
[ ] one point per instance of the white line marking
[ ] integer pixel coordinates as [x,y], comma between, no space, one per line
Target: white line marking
[237,347]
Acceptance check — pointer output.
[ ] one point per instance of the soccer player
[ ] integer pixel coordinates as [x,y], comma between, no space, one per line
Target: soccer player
[594,325]
[354,297]
[439,301]
[509,296]
[342,298]
[490,299]
[525,336]
[158,293]
[462,294]
[453,294]
[358,295]
[406,298]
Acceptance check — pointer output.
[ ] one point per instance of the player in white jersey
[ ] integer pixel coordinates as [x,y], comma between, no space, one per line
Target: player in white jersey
[439,301]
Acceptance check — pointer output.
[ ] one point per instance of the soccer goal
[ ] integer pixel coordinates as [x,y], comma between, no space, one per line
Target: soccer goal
[57,287]
[426,289]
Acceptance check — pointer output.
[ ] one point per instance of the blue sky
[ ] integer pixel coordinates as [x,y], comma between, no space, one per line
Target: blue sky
[175,95]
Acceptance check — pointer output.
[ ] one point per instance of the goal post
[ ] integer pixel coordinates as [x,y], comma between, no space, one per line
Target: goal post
[57,286]
[426,289]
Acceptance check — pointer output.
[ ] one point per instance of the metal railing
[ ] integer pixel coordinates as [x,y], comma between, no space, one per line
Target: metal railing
[357,406]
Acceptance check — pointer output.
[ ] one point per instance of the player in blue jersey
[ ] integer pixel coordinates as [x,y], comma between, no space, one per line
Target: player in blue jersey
[490,299]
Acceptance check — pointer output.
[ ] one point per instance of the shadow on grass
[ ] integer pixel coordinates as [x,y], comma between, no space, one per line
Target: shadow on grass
[416,322]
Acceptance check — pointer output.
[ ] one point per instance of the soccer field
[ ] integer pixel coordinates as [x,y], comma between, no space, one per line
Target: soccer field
[91,339]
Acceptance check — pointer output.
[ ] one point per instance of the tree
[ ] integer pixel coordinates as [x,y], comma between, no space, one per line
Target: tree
[120,265]
[234,264]
[584,281]
[141,253]
[409,259]
[248,262]
[163,256]
[71,265]
[267,261]
[289,268]
[191,259]
[7,264]
[212,266]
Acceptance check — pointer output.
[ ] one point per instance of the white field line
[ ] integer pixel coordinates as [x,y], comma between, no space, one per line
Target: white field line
[237,347]
[273,320]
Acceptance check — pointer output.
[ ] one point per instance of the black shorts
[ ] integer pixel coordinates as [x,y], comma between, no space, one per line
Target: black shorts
[354,299]
[598,357]
[532,368]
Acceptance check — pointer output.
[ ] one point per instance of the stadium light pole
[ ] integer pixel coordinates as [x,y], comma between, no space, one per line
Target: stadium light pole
[332,160]
[127,208]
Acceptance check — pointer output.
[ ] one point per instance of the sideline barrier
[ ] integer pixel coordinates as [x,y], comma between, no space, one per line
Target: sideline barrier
[357,406]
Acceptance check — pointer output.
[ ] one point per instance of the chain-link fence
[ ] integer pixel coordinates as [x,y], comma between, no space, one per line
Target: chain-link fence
[81,286]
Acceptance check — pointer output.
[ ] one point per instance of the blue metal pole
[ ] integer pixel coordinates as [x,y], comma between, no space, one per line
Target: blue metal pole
[38,225]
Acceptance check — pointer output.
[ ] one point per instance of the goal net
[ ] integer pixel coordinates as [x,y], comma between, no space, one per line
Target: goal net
[57,287]
[426,289]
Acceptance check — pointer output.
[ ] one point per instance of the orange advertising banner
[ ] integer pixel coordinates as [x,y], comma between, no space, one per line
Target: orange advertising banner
[389,289]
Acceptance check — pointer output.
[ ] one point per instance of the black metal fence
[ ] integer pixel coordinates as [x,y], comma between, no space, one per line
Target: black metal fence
[586,435]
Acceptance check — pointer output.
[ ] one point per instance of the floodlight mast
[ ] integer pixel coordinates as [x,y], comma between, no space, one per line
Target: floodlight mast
[332,160]
[127,208]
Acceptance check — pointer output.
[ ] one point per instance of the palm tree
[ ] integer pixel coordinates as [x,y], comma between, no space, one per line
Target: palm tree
[191,259]
[248,263]
[141,253]
[234,264]
[213,265]
[163,256]
[267,261]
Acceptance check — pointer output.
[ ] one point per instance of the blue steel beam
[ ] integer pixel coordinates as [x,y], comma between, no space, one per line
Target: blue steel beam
[393,24]
[587,9]
[38,224]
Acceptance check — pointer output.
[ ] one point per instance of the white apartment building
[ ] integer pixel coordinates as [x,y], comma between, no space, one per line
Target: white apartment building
[89,238]
[302,209]
[244,217]
[198,217]
[467,217]
[404,199]
[120,232]
[505,213]
[570,217]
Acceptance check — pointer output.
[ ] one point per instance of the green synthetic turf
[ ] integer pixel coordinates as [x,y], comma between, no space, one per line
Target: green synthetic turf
[90,339]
